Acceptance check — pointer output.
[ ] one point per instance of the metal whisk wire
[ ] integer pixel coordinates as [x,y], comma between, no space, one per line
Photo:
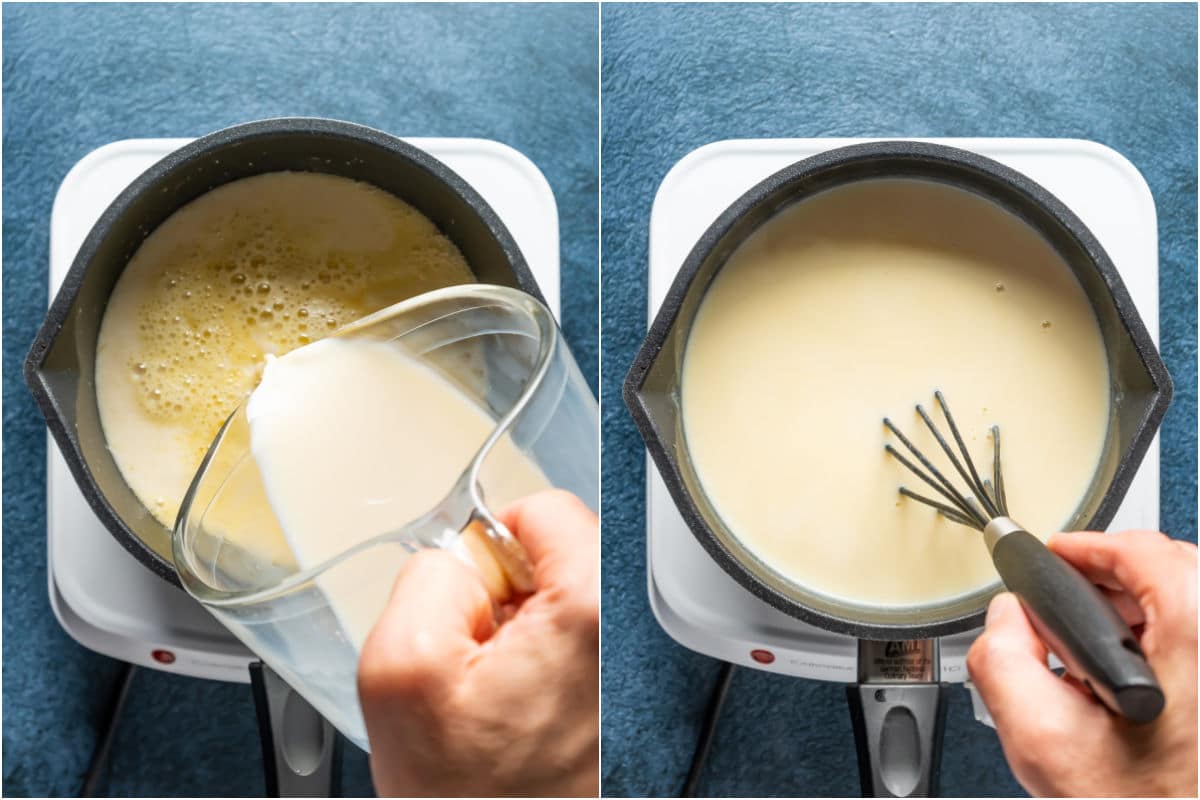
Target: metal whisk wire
[985,499]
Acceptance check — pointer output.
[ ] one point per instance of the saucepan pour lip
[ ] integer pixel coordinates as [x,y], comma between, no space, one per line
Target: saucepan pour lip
[797,181]
[153,179]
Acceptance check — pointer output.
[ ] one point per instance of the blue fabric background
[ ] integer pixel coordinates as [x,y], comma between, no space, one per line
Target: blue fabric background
[677,77]
[76,77]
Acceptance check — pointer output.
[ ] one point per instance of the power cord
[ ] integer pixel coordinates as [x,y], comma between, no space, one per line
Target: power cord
[100,756]
[708,729]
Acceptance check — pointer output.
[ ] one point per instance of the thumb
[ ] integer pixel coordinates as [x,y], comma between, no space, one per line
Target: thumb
[1008,665]
[561,536]
[433,623]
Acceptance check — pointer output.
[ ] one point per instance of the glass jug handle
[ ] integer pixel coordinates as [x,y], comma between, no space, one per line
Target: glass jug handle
[498,556]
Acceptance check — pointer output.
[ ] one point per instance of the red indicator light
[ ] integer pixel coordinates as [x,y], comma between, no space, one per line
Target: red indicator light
[762,656]
[163,656]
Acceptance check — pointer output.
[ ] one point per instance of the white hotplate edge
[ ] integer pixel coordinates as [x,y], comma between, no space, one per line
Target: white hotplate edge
[694,600]
[102,597]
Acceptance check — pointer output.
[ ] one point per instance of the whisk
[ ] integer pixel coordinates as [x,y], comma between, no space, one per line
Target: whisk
[1070,615]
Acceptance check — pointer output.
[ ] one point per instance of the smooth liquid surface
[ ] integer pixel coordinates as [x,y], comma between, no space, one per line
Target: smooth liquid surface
[855,305]
[253,268]
[353,438]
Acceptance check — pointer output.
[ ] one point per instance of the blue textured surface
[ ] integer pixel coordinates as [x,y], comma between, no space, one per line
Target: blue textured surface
[678,77]
[77,77]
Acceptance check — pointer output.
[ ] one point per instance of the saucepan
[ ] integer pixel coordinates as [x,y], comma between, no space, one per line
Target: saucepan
[61,362]
[904,638]
[60,366]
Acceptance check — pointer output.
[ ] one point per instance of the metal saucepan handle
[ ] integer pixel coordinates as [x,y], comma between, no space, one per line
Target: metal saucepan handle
[898,709]
[301,750]
[897,734]
[1076,622]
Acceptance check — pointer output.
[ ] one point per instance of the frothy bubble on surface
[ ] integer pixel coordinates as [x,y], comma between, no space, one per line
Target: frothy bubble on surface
[257,267]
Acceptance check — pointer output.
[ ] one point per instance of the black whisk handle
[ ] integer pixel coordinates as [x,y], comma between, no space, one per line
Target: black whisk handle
[1078,624]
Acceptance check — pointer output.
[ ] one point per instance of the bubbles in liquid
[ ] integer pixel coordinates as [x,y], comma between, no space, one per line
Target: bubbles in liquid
[246,276]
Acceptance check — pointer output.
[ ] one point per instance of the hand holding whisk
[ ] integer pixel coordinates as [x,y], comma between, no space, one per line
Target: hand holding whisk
[1070,614]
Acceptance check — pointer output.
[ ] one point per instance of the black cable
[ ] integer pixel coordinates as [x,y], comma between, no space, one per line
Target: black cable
[97,768]
[708,729]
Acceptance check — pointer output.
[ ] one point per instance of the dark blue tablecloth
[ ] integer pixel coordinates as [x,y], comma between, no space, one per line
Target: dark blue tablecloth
[677,77]
[76,77]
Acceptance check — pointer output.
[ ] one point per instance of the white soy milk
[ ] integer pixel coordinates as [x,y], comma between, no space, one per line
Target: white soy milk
[353,438]
[857,304]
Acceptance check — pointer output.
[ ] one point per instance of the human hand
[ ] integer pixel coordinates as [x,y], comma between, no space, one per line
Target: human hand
[455,705]
[1058,739]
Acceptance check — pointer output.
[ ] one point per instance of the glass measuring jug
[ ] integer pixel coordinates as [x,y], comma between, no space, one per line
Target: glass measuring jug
[307,618]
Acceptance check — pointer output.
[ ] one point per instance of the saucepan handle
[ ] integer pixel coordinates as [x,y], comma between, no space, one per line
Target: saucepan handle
[1079,625]
[898,735]
[301,750]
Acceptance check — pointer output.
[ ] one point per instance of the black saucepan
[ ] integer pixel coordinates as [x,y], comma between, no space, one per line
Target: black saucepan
[60,366]
[1141,387]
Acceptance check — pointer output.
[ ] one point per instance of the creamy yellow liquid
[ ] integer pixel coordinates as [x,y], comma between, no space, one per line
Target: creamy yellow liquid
[255,267]
[855,305]
[353,438]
